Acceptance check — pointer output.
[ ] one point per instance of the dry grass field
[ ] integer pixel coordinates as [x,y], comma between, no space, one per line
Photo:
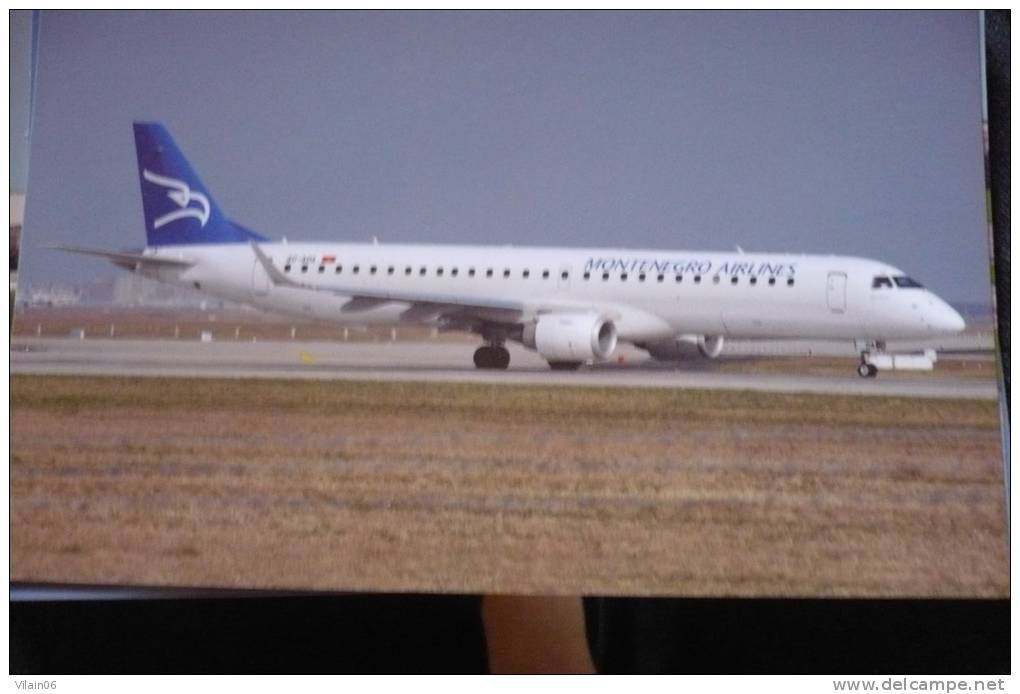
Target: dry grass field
[494,488]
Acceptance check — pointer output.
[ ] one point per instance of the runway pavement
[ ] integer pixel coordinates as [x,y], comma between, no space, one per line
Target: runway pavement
[451,362]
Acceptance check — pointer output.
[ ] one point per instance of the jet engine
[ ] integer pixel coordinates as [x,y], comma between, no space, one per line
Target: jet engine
[571,337]
[686,347]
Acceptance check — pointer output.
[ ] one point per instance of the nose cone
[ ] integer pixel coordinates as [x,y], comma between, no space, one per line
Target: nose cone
[943,318]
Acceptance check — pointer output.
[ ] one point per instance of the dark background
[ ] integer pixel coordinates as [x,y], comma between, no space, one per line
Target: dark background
[434,633]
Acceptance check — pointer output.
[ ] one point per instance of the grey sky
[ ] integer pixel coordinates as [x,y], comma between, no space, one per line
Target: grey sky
[850,133]
[20,94]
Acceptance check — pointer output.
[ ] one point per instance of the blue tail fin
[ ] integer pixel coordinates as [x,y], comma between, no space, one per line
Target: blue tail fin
[178,208]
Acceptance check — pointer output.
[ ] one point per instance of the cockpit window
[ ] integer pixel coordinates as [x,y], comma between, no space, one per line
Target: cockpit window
[881,282]
[906,282]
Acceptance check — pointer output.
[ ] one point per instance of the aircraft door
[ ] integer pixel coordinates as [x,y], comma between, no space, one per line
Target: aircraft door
[836,292]
[260,283]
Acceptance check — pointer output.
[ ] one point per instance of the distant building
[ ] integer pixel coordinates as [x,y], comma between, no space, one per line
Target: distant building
[135,290]
[55,295]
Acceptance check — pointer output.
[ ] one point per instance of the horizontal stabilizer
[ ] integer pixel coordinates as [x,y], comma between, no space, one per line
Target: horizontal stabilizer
[129,261]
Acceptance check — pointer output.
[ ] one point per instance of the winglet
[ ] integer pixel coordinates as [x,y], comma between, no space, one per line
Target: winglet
[275,276]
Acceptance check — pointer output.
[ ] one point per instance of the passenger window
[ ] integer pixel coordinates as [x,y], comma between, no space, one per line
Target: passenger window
[526,274]
[680,278]
[641,277]
[605,276]
[372,270]
[772,281]
[304,268]
[471,272]
[661,277]
[355,269]
[789,282]
[389,270]
[587,275]
[439,272]
[506,273]
[753,280]
[488,273]
[715,280]
[623,276]
[545,274]
[286,268]
[322,269]
[734,279]
[407,270]
[453,272]
[422,271]
[697,279]
[564,275]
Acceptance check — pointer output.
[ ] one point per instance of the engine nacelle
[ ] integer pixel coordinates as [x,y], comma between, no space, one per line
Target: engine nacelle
[686,347]
[571,337]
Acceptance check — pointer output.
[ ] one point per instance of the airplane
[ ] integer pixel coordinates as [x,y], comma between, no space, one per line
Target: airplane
[571,305]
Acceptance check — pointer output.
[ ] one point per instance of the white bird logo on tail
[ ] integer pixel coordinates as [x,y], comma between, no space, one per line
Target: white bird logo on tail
[181,194]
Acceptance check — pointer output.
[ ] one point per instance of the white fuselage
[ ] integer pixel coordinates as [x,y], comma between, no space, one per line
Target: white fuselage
[649,294]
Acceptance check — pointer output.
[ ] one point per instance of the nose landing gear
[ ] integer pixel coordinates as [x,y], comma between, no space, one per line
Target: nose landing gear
[875,358]
[492,357]
[868,349]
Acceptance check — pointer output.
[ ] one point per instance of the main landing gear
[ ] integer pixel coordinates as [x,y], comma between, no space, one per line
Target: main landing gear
[492,357]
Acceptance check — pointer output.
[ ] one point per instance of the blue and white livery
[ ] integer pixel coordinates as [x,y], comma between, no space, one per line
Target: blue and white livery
[572,305]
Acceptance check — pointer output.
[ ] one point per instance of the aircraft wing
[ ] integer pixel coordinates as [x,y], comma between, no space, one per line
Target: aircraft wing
[129,261]
[422,303]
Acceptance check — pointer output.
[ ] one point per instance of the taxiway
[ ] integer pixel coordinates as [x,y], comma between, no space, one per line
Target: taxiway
[451,362]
